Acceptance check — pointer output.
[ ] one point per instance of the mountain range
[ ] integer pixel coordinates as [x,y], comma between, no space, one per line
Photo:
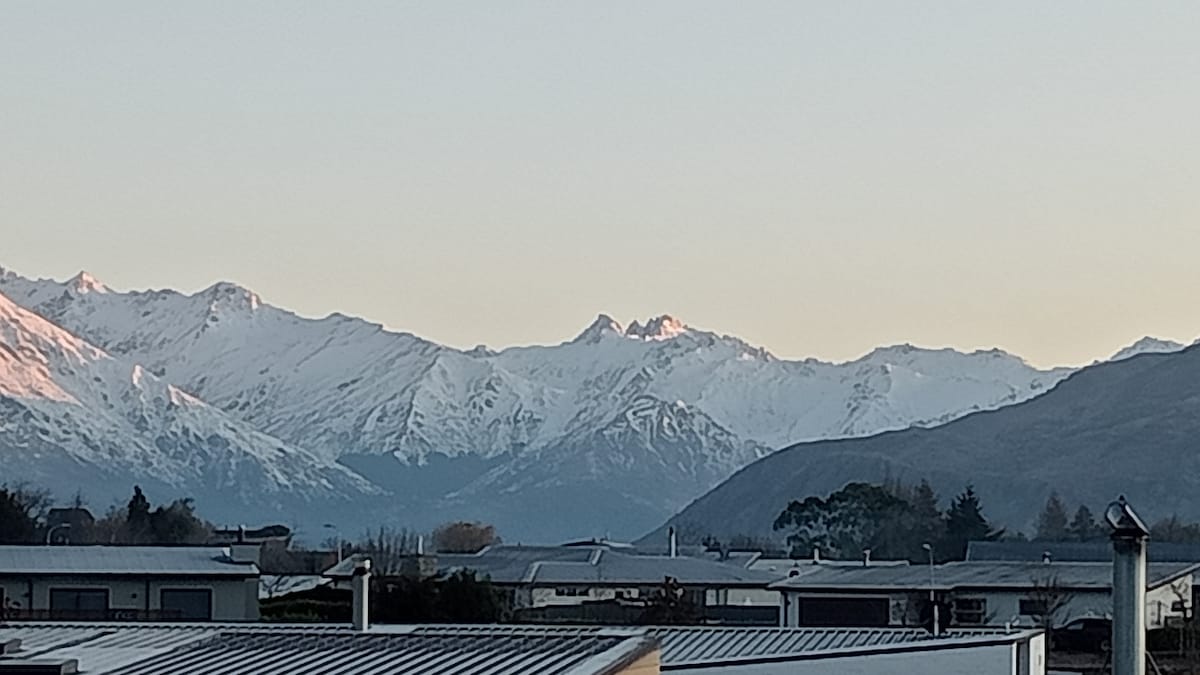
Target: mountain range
[260,414]
[1130,426]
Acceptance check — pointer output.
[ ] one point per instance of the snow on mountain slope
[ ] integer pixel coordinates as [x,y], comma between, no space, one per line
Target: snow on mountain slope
[1147,345]
[73,415]
[466,425]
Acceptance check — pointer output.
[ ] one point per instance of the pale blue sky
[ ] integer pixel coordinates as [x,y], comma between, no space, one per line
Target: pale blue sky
[818,178]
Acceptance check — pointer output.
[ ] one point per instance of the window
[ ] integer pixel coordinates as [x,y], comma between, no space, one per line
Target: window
[187,604]
[859,612]
[570,591]
[970,611]
[79,603]
[1032,607]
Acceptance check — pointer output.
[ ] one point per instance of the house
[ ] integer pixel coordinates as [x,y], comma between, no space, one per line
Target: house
[270,649]
[975,593]
[571,583]
[118,583]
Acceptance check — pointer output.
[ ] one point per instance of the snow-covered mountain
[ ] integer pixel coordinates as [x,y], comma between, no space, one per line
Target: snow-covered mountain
[74,416]
[617,428]
[1148,345]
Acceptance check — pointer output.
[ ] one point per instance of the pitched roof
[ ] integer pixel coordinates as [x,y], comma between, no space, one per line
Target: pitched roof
[975,574]
[584,565]
[1074,551]
[121,560]
[237,649]
[264,649]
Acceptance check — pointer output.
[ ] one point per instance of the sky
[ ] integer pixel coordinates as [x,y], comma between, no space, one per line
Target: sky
[818,178]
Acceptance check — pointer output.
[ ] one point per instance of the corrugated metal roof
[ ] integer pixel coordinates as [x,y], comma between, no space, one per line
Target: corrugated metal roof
[695,645]
[237,649]
[266,650]
[974,574]
[110,560]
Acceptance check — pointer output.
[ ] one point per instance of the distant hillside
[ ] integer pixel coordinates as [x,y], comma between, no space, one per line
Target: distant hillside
[1131,427]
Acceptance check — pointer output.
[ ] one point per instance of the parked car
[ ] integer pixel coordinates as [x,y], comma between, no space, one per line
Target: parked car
[1088,634]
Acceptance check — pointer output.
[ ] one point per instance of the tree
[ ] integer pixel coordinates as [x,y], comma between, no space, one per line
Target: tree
[22,511]
[965,522]
[1083,525]
[1045,603]
[177,524]
[137,516]
[464,537]
[1175,529]
[1052,523]
[859,517]
[387,549]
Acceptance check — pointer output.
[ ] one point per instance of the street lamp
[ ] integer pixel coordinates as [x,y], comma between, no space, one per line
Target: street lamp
[337,534]
[932,598]
[50,532]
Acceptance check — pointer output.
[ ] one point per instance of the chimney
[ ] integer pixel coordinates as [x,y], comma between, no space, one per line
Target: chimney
[816,555]
[1129,536]
[361,583]
[420,544]
[866,557]
[1047,558]
[674,545]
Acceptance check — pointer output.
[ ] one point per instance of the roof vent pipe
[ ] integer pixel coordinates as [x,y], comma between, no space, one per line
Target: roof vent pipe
[674,544]
[420,544]
[360,583]
[1047,558]
[866,557]
[816,555]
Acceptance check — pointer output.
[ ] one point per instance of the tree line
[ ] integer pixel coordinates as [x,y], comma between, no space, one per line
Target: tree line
[890,521]
[1053,525]
[25,518]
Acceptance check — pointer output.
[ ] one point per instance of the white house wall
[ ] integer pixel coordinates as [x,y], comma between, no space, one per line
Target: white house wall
[232,599]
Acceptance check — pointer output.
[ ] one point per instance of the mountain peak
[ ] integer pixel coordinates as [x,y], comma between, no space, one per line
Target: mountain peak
[228,294]
[603,325]
[85,283]
[1147,345]
[663,327]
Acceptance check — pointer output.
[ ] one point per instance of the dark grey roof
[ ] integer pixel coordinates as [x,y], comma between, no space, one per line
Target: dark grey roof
[241,649]
[571,564]
[975,574]
[114,560]
[1073,551]
[133,649]
[691,646]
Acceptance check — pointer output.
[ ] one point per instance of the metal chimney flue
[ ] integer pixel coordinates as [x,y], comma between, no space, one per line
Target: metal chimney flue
[1128,589]
[361,584]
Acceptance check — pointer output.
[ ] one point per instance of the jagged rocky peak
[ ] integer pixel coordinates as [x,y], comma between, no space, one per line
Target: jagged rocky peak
[1148,345]
[228,294]
[603,325]
[84,283]
[663,327]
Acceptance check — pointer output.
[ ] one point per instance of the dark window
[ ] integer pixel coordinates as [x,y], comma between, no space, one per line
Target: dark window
[1032,607]
[79,603]
[188,604]
[969,611]
[858,612]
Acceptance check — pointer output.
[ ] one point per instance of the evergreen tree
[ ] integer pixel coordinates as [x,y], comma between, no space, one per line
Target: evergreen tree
[137,517]
[1052,523]
[965,522]
[1083,526]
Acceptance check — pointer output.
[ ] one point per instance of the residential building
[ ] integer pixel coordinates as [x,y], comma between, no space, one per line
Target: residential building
[570,583]
[975,593]
[129,583]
